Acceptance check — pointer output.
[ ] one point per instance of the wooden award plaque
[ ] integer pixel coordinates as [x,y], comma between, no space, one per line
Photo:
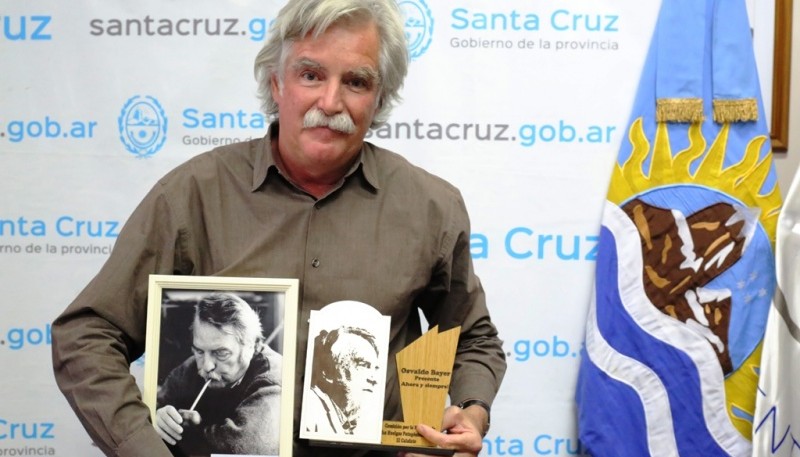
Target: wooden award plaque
[424,369]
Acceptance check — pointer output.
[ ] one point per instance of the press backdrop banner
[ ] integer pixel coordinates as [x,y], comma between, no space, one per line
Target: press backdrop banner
[521,104]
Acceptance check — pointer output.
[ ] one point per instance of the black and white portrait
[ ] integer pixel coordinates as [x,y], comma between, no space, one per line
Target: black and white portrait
[345,379]
[219,372]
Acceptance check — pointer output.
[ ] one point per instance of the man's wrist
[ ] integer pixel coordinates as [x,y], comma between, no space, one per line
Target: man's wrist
[476,402]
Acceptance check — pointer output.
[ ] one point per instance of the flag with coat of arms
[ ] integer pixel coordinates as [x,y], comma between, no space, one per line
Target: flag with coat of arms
[685,271]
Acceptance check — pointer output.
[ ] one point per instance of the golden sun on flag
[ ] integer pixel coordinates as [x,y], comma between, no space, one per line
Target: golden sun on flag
[741,181]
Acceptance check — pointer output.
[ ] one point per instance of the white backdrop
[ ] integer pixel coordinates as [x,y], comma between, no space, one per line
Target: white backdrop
[519,103]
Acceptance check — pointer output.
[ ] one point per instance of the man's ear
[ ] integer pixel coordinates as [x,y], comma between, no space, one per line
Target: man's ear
[275,87]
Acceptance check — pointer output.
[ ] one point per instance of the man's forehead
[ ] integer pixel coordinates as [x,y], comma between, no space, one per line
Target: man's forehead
[350,343]
[339,40]
[221,335]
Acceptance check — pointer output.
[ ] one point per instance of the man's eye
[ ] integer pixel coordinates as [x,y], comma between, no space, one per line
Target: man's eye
[359,83]
[222,355]
[308,76]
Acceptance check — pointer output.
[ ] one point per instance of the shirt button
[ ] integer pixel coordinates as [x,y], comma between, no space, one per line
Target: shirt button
[315,263]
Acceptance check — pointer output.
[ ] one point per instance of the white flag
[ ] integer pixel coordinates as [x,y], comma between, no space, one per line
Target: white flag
[777,420]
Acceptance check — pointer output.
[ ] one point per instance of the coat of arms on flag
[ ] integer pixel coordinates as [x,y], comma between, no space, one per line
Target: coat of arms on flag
[685,272]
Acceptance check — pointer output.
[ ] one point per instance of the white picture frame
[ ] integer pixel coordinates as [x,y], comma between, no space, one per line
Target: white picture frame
[171,311]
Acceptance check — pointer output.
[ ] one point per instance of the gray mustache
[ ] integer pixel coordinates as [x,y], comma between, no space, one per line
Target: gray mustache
[341,122]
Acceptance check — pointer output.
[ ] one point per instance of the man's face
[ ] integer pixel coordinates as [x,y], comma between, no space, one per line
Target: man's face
[357,366]
[336,73]
[218,355]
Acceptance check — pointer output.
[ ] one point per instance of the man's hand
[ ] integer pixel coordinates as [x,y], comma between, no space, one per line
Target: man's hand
[464,431]
[169,420]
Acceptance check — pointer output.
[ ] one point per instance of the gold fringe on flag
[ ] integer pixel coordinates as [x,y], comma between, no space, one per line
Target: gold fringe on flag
[742,110]
[679,110]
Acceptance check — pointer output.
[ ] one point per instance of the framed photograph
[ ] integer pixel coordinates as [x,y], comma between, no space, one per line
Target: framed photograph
[219,364]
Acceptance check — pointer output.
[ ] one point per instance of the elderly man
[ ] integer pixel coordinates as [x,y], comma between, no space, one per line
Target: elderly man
[225,398]
[344,377]
[311,200]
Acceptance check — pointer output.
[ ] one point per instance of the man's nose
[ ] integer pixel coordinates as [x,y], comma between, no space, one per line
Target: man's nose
[207,363]
[330,101]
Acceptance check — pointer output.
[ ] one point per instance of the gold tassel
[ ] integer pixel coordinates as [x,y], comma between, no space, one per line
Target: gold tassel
[679,110]
[741,110]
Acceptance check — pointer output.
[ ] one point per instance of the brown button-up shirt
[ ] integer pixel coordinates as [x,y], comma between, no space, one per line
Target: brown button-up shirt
[390,234]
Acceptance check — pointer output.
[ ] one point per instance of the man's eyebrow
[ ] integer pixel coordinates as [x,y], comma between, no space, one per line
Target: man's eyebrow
[210,350]
[305,62]
[367,74]
[361,360]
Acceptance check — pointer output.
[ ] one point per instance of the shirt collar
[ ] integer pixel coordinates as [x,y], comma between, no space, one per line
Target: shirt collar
[267,148]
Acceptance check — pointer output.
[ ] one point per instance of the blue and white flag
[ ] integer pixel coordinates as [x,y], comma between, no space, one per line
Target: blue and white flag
[685,272]
[777,420]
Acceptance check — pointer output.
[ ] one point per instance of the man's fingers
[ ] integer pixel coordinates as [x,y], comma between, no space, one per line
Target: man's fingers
[192,417]
[167,439]
[442,440]
[462,438]
[427,432]
[168,426]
